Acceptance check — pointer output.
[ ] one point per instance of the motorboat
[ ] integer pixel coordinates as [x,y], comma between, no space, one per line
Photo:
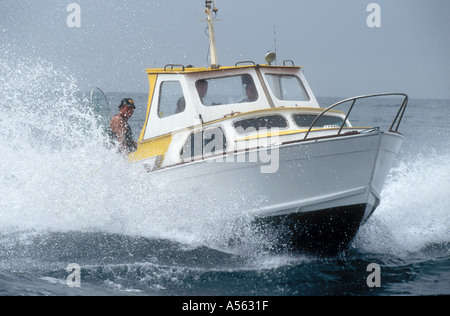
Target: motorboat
[257,130]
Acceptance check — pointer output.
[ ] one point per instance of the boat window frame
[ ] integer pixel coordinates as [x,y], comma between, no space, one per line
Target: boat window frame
[288,125]
[315,115]
[161,84]
[304,91]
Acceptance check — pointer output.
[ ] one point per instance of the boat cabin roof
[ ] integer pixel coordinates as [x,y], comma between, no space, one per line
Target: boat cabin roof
[185,96]
[176,68]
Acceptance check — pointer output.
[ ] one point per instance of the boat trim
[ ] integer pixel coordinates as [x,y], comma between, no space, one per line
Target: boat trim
[293,132]
[185,70]
[152,81]
[287,208]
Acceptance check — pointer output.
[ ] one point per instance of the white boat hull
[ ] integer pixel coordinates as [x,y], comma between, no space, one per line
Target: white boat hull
[322,190]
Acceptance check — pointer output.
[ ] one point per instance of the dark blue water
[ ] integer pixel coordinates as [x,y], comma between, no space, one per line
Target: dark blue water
[63,202]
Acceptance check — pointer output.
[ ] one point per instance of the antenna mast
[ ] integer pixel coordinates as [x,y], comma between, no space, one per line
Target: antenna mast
[212,36]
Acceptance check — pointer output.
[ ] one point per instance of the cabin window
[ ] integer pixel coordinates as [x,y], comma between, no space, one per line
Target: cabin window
[204,143]
[325,121]
[227,90]
[254,124]
[171,99]
[287,87]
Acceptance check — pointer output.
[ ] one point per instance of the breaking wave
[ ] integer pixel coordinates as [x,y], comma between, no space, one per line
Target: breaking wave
[415,209]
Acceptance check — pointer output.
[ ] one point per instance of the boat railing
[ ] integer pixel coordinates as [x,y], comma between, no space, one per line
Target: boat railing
[172,66]
[395,123]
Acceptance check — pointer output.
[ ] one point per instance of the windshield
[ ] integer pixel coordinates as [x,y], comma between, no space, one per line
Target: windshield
[287,87]
[227,90]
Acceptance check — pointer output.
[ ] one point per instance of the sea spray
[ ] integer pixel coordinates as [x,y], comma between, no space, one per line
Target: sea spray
[49,144]
[415,209]
[56,175]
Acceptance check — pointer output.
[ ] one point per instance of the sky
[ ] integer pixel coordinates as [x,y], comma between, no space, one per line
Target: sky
[342,56]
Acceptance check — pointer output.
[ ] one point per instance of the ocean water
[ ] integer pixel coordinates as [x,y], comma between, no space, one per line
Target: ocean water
[66,199]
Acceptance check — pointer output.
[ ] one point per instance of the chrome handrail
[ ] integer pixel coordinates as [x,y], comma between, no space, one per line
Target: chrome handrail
[397,119]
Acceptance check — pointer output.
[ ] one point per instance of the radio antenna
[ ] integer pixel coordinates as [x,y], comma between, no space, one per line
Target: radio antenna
[275,42]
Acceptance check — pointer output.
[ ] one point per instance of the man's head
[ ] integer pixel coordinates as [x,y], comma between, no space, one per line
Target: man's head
[202,87]
[126,107]
[250,90]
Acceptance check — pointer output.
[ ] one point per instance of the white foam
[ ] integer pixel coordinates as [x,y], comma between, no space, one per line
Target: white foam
[415,207]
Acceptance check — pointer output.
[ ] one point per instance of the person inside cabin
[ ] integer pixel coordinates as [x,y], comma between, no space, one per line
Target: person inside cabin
[202,89]
[250,89]
[119,129]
